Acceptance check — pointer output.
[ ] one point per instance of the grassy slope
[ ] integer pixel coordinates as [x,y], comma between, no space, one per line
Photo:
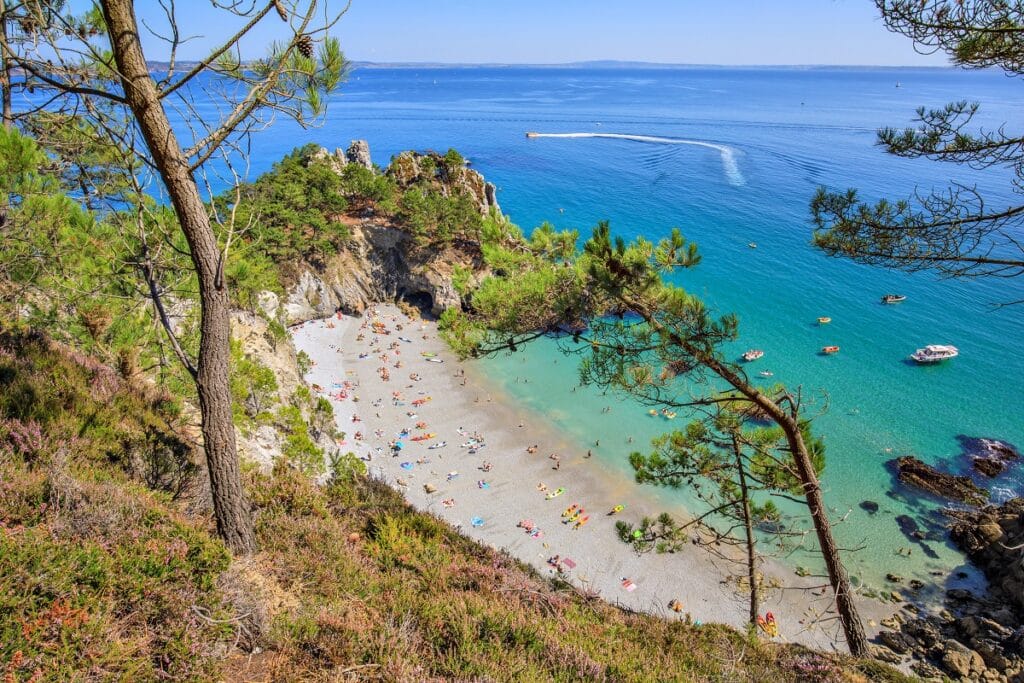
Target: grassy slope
[106,573]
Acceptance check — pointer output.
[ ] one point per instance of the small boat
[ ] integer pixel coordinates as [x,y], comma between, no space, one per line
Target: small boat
[893,298]
[753,354]
[752,245]
[617,509]
[557,492]
[428,354]
[829,350]
[531,134]
[766,373]
[434,360]
[824,320]
[935,353]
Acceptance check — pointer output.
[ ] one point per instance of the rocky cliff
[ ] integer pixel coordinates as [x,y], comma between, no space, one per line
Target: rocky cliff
[382,261]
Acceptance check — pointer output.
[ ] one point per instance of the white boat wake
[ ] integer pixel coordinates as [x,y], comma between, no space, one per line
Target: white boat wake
[728,154]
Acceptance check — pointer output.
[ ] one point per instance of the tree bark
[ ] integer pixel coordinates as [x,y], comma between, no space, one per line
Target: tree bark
[5,69]
[234,520]
[748,529]
[853,628]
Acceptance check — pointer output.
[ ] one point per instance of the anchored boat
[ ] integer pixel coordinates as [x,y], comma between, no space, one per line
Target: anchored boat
[753,354]
[935,353]
[829,350]
[893,298]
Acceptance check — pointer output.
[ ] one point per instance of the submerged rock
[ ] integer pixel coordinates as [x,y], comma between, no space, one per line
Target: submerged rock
[913,472]
[870,506]
[988,456]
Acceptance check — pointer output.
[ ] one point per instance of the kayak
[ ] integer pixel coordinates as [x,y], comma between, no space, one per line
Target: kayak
[557,492]
[434,360]
[617,509]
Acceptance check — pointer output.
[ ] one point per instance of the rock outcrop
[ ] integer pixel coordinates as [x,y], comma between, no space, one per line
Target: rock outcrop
[359,153]
[381,261]
[913,472]
[988,456]
[993,537]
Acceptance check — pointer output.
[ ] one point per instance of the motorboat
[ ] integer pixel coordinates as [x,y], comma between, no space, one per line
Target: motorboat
[766,373]
[531,134]
[824,320]
[753,354]
[829,350]
[935,353]
[893,298]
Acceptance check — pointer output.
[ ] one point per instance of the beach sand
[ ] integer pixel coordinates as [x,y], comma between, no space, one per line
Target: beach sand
[462,403]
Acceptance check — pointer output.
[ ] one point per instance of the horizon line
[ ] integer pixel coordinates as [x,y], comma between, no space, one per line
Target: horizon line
[355,63]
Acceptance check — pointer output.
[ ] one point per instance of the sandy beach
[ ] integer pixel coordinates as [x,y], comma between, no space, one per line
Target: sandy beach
[386,379]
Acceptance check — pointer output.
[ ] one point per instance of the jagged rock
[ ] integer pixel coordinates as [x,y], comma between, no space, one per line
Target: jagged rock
[991,537]
[269,303]
[962,661]
[870,506]
[894,578]
[913,472]
[988,456]
[926,671]
[430,488]
[887,654]
[896,641]
[359,153]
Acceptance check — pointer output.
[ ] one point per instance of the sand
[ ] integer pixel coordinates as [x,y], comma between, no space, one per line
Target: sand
[488,505]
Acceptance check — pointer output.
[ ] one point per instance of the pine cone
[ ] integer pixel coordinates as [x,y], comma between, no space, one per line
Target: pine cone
[304,44]
[280,10]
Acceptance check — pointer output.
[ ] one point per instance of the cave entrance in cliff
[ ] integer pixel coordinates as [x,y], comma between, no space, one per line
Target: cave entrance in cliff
[421,300]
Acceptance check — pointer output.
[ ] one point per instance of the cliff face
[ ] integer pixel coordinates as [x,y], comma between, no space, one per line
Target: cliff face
[381,261]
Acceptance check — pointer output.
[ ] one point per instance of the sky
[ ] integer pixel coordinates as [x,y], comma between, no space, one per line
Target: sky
[729,32]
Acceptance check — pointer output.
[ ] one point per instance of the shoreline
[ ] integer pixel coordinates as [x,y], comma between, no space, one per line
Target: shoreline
[462,402]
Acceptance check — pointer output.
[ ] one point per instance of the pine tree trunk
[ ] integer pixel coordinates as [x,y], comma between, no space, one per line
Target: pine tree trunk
[748,529]
[5,69]
[234,521]
[853,628]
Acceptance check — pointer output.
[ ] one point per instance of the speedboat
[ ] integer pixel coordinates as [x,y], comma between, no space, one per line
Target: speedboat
[753,354]
[766,373]
[935,353]
[829,350]
[824,320]
[531,134]
[893,298]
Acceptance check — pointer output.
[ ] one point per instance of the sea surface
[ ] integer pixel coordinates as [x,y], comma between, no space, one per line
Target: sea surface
[733,157]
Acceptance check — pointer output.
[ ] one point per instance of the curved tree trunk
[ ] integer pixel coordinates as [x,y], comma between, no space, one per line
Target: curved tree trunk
[234,521]
[853,628]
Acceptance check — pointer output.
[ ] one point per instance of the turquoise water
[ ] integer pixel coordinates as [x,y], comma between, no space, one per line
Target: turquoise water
[786,131]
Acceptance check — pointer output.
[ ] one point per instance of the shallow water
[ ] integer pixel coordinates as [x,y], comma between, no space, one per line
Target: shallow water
[767,139]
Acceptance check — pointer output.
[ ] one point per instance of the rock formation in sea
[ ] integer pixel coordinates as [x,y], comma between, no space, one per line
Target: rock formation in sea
[990,457]
[913,472]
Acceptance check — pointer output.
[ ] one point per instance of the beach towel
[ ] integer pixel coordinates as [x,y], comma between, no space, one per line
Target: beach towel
[628,585]
[568,563]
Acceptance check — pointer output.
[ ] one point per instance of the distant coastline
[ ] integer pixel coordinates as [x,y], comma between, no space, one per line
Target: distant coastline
[612,65]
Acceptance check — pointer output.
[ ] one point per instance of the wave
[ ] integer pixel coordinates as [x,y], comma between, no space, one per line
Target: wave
[728,154]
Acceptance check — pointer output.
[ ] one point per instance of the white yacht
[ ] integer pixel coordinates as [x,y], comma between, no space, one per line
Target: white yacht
[935,353]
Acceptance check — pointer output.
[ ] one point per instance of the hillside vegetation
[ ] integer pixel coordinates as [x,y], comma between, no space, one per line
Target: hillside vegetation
[110,566]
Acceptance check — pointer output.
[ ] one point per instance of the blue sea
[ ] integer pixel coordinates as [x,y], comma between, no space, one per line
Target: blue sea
[769,138]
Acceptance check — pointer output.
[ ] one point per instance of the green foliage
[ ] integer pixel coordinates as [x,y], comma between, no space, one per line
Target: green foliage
[362,187]
[304,363]
[293,212]
[253,389]
[461,278]
[299,450]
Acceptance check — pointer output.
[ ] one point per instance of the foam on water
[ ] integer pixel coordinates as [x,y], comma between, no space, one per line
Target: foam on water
[728,154]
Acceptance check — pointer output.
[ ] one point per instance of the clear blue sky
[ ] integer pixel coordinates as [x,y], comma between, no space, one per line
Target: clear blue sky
[551,31]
